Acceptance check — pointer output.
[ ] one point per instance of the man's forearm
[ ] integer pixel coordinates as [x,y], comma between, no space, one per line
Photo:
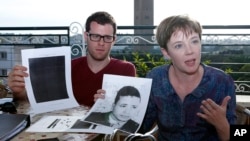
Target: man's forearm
[22,96]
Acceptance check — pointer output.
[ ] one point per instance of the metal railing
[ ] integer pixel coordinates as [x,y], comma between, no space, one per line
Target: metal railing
[226,47]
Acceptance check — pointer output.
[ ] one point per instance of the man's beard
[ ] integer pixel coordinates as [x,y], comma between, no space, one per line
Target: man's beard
[98,58]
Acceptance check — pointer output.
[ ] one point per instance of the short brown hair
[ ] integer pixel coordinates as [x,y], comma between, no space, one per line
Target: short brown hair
[101,17]
[180,22]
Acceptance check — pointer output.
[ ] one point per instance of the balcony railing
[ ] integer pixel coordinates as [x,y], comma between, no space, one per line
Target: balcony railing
[226,47]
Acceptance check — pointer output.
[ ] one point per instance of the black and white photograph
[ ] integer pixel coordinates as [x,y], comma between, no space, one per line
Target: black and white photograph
[124,105]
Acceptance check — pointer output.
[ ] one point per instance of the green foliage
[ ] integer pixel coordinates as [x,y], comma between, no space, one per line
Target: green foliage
[141,66]
[245,68]
[146,62]
[207,62]
[228,70]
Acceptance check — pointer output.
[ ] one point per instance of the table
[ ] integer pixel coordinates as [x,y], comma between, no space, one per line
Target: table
[243,100]
[24,108]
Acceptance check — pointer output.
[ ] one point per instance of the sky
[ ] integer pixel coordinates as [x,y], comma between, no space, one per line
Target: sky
[18,13]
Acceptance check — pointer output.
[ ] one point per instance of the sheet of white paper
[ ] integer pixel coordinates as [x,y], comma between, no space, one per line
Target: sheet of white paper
[49,84]
[3,100]
[112,84]
[66,124]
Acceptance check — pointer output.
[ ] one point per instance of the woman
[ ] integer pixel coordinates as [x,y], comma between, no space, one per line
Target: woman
[189,100]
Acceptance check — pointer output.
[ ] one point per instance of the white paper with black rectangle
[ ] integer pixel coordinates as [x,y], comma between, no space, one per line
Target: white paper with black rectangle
[49,84]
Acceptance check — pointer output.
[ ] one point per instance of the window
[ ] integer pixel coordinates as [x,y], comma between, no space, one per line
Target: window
[3,55]
[3,72]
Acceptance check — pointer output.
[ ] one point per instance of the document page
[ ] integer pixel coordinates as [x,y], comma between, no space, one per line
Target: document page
[66,124]
[49,84]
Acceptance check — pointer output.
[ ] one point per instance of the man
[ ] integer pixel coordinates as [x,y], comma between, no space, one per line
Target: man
[87,72]
[125,106]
